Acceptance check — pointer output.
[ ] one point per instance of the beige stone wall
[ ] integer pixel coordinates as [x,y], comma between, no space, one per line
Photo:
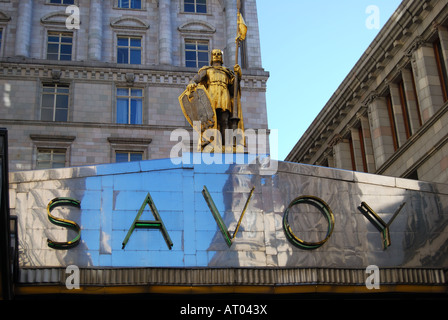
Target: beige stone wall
[91,134]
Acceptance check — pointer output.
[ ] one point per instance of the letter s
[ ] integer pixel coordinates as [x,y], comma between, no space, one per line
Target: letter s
[63,223]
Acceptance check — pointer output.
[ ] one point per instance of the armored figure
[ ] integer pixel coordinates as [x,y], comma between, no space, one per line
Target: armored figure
[215,108]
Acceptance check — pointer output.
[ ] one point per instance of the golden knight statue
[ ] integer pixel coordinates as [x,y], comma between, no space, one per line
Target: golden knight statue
[212,101]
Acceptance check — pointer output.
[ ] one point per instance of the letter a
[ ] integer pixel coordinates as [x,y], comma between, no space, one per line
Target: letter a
[155,224]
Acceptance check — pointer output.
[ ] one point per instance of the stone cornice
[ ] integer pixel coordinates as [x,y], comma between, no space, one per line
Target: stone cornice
[253,79]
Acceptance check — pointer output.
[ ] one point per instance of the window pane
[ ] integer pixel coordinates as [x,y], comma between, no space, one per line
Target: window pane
[65,57]
[136,42]
[58,157]
[122,55]
[62,89]
[136,157]
[190,55]
[136,4]
[66,39]
[123,41]
[121,157]
[123,3]
[62,101]
[190,64]
[201,9]
[69,1]
[122,111]
[122,92]
[188,7]
[52,48]
[66,49]
[53,38]
[44,155]
[49,89]
[55,1]
[47,101]
[136,92]
[136,111]
[136,56]
[58,165]
[203,47]
[46,114]
[61,115]
[203,56]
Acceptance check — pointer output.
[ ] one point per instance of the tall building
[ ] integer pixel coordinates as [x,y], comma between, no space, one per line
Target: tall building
[99,82]
[389,116]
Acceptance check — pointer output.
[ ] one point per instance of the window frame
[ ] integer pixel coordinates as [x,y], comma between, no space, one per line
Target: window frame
[197,51]
[142,5]
[129,37]
[55,94]
[129,99]
[195,6]
[441,68]
[59,43]
[51,161]
[75,2]
[129,153]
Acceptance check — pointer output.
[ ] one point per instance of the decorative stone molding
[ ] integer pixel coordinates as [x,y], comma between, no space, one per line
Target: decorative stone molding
[55,18]
[335,140]
[129,22]
[4,17]
[196,27]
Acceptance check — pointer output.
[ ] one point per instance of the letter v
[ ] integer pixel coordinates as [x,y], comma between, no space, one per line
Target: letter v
[218,218]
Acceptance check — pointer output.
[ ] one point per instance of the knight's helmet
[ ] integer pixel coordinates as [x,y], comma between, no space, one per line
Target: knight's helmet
[217,55]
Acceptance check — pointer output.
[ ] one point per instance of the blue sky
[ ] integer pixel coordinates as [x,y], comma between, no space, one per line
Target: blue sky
[309,47]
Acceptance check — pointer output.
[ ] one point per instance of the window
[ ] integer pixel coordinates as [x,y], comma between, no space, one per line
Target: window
[405,109]
[1,38]
[196,54]
[393,125]
[123,156]
[62,1]
[195,6]
[441,67]
[130,4]
[129,105]
[129,50]
[54,105]
[59,46]
[50,158]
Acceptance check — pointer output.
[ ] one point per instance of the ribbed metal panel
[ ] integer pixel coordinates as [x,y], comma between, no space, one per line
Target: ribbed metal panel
[239,276]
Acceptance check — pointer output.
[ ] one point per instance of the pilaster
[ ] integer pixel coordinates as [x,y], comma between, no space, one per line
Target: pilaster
[23,34]
[165,33]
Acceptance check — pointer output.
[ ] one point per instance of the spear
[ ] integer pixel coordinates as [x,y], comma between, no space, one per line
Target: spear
[241,35]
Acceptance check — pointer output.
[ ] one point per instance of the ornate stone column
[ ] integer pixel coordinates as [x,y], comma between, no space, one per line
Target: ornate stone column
[165,32]
[95,30]
[23,33]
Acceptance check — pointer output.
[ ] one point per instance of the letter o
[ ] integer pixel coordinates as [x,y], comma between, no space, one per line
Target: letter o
[326,211]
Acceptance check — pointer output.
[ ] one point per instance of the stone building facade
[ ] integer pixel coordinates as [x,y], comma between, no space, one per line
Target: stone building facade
[99,82]
[390,116]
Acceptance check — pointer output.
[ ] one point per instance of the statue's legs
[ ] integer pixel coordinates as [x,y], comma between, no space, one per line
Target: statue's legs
[223,121]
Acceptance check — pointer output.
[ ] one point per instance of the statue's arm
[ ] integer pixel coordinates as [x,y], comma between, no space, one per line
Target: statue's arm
[198,78]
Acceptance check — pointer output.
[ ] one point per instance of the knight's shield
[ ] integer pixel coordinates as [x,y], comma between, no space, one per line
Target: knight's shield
[196,106]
